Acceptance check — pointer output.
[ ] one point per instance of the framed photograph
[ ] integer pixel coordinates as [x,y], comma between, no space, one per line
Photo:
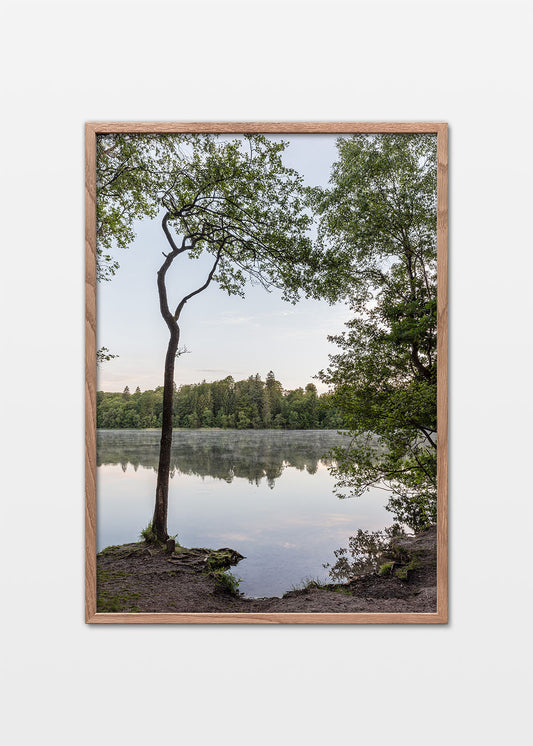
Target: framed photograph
[266,373]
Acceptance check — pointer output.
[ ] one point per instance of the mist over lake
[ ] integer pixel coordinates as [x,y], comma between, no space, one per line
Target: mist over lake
[267,494]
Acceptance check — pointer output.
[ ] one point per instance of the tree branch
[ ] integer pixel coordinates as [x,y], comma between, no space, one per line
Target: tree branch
[161,287]
[203,287]
[428,436]
[175,249]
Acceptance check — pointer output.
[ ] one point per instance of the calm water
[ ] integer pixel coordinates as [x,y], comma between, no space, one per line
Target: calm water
[266,493]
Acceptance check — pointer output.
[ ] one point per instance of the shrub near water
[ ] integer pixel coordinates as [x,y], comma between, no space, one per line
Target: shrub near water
[228,581]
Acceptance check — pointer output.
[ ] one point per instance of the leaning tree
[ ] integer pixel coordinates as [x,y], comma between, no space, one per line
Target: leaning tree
[232,200]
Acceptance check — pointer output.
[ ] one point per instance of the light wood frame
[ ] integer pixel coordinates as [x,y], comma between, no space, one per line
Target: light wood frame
[92,129]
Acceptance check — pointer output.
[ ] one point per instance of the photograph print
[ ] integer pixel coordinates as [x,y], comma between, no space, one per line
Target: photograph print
[266,373]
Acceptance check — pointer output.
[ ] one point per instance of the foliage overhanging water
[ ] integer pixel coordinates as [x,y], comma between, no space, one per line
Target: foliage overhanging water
[266,493]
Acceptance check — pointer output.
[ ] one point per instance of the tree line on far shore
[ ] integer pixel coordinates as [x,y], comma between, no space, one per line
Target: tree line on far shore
[248,404]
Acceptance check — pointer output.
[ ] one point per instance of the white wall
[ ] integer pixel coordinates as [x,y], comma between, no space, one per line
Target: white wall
[64,63]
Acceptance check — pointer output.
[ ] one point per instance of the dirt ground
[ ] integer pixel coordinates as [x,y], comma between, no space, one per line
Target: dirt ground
[142,578]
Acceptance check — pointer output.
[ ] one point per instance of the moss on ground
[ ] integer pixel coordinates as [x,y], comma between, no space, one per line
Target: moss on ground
[122,600]
[118,602]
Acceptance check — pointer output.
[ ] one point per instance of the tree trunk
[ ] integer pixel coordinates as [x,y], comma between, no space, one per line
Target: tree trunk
[159,521]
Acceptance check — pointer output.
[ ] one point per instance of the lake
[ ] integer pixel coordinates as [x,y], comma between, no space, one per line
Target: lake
[266,493]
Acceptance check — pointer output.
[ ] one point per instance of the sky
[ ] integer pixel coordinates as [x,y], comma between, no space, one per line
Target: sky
[224,335]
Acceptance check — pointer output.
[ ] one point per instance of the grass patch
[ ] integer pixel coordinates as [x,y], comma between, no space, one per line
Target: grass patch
[118,602]
[342,589]
[121,601]
[104,575]
[403,572]
[310,583]
[149,536]
[386,569]
[227,581]
[110,551]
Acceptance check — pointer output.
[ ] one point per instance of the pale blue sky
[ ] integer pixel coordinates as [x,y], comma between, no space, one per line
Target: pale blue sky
[225,335]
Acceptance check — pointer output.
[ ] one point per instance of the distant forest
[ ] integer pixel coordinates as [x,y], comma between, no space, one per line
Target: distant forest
[249,404]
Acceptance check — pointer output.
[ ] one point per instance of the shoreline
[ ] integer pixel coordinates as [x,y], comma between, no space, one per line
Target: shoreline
[143,578]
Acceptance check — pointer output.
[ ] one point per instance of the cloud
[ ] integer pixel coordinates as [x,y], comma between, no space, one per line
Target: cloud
[212,370]
[229,537]
[259,319]
[229,318]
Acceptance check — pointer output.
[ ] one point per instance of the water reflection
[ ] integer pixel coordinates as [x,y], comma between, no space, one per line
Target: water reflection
[222,454]
[269,495]
[363,553]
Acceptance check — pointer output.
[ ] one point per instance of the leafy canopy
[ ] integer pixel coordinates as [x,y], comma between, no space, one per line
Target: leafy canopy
[378,224]
[232,198]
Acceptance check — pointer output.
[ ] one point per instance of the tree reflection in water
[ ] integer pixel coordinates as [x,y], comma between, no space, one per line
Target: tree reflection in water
[362,554]
[221,454]
[284,538]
